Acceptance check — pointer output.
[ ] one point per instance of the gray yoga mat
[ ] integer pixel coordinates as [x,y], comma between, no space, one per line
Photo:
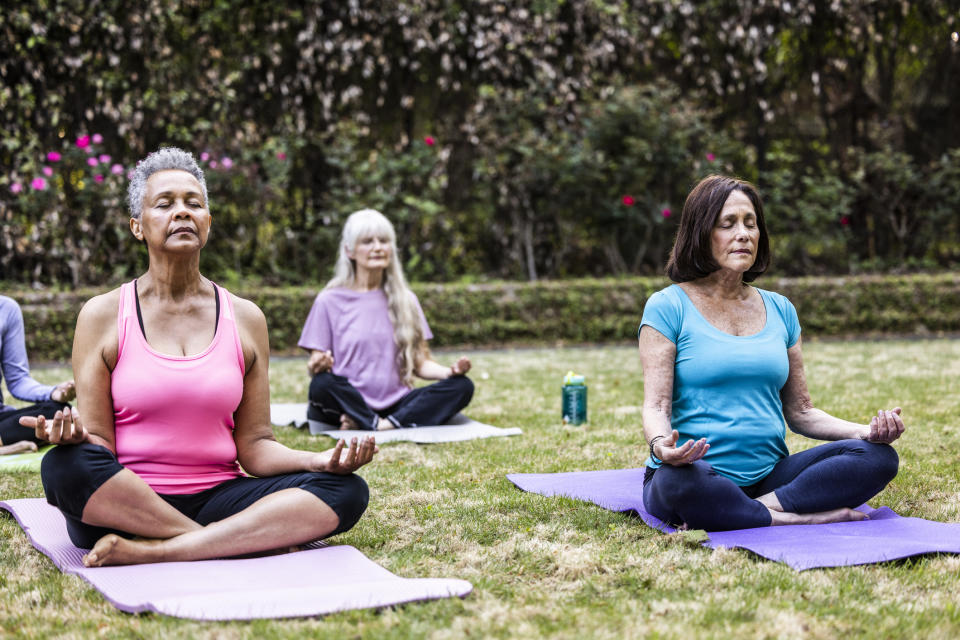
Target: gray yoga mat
[459,428]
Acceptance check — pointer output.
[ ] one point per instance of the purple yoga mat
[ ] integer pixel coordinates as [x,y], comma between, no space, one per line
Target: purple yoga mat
[305,583]
[885,536]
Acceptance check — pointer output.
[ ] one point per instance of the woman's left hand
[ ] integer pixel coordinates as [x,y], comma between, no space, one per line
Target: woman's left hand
[885,427]
[356,455]
[461,366]
[64,392]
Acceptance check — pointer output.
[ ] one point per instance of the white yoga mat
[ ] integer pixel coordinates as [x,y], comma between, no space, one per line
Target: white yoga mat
[459,428]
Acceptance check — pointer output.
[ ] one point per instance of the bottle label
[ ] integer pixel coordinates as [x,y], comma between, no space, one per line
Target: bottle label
[574,404]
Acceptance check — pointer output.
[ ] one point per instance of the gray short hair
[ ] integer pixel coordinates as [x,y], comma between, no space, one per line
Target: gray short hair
[163,159]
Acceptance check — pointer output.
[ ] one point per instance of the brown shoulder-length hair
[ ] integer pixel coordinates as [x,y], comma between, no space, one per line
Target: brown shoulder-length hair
[692,255]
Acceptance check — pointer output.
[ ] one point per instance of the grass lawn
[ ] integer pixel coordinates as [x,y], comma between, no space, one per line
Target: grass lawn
[548,567]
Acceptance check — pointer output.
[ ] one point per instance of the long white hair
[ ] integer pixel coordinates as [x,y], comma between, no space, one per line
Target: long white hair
[407,329]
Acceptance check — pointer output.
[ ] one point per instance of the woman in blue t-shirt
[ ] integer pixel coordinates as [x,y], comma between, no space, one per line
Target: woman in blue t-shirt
[723,367]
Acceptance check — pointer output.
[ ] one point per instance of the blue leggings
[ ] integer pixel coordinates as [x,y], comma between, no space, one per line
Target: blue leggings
[845,473]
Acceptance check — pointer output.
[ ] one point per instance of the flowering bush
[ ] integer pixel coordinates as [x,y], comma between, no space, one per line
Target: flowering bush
[65,215]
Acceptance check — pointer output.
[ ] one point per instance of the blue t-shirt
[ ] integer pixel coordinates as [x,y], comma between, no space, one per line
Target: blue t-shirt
[726,388]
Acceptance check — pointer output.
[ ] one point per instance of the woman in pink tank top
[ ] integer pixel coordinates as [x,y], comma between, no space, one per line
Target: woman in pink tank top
[171,375]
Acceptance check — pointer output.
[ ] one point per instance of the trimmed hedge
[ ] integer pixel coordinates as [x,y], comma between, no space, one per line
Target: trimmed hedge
[566,312]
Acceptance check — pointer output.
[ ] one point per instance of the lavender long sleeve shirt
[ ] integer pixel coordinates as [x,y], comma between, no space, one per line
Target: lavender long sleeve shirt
[14,367]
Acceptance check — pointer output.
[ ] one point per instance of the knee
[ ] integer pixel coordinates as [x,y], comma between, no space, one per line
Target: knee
[66,473]
[60,469]
[320,385]
[686,483]
[883,459]
[353,503]
[464,386]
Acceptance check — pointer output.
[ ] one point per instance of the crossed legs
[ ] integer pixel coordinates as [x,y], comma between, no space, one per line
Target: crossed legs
[821,484]
[335,401]
[237,517]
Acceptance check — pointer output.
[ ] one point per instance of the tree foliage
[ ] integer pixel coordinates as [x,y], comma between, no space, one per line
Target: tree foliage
[504,139]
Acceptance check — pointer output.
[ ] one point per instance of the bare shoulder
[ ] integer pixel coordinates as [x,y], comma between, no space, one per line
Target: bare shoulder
[99,312]
[252,326]
[96,335]
[249,315]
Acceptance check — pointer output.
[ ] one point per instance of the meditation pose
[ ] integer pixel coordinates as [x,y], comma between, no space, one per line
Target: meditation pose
[367,338]
[172,380]
[15,369]
[722,368]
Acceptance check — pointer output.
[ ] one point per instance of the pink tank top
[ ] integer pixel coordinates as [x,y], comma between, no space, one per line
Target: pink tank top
[174,415]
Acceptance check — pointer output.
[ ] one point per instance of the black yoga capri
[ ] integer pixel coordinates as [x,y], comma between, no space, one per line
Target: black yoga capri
[71,473]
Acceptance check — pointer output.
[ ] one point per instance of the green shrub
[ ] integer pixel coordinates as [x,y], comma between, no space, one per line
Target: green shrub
[567,312]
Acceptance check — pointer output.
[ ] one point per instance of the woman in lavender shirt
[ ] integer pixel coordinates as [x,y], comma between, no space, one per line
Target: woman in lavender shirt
[367,338]
[13,366]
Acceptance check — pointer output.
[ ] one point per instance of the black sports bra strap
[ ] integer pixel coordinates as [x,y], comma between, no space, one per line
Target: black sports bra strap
[216,319]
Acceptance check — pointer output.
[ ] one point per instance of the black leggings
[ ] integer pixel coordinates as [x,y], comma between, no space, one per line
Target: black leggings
[10,429]
[71,473]
[845,473]
[332,395]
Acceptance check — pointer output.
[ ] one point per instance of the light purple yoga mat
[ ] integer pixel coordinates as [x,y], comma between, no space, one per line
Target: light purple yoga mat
[885,536]
[305,583]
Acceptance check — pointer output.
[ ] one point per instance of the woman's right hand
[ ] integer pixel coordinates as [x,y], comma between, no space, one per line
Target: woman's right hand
[65,428]
[319,362]
[668,452]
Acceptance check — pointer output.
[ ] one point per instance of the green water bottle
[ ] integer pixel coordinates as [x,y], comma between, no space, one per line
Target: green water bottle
[574,399]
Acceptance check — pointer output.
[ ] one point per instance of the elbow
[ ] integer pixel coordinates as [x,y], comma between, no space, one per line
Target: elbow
[796,417]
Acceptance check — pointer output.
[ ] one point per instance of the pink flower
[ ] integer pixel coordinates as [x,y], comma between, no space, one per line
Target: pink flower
[105,159]
[844,220]
[98,178]
[628,200]
[204,156]
[53,156]
[711,157]
[429,141]
[213,164]
[92,161]
[97,138]
[47,171]
[83,142]
[38,184]
[226,162]
[666,212]
[116,169]
[131,173]
[281,155]
[16,187]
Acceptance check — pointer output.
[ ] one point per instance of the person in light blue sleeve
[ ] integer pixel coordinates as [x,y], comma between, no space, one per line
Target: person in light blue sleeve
[723,378]
[15,369]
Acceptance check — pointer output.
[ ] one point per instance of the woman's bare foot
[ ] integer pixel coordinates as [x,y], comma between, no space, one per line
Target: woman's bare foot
[111,550]
[24,446]
[347,423]
[821,517]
